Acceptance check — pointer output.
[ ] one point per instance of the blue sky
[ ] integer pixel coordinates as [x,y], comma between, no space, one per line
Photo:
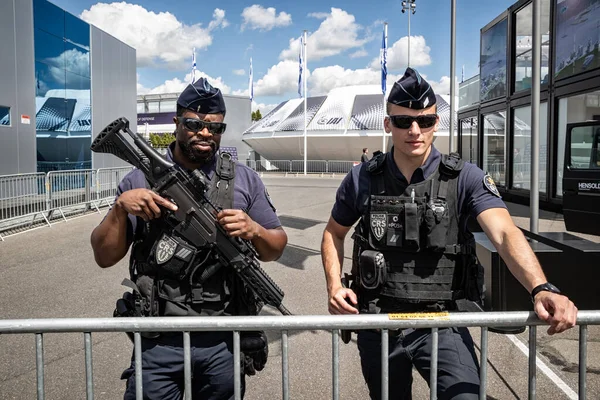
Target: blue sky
[343,45]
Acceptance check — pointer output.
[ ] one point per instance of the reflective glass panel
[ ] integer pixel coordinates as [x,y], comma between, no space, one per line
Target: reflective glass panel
[577,108]
[78,88]
[77,31]
[4,116]
[49,78]
[153,106]
[77,60]
[577,37]
[141,107]
[49,49]
[469,139]
[585,153]
[168,105]
[48,17]
[521,173]
[523,62]
[494,142]
[493,62]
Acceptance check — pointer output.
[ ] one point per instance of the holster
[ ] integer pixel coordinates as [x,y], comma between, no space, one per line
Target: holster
[346,335]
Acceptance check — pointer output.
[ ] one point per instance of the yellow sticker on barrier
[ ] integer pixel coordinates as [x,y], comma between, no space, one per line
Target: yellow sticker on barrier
[427,315]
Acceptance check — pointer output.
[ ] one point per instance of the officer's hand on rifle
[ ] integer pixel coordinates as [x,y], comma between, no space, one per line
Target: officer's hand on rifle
[340,300]
[238,223]
[557,310]
[143,203]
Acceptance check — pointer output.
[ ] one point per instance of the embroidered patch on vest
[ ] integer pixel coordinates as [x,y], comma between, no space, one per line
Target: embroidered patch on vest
[488,182]
[165,248]
[378,224]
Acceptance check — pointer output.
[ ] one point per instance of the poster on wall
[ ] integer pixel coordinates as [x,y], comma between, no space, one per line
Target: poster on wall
[577,37]
[493,62]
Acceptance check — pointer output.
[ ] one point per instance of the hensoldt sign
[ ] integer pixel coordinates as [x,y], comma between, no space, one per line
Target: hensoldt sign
[589,186]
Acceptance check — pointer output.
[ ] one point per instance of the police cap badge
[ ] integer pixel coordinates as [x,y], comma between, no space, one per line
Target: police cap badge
[412,91]
[202,97]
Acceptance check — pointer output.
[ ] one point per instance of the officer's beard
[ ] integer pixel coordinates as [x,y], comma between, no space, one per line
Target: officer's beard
[195,155]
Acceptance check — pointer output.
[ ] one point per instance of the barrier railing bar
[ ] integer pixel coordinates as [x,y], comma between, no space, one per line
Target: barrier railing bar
[434,364]
[582,360]
[237,373]
[385,370]
[89,374]
[187,365]
[139,389]
[532,361]
[335,364]
[483,362]
[39,364]
[285,378]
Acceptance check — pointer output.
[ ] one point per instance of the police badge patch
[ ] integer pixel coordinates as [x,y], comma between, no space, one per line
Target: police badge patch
[165,248]
[488,182]
[378,224]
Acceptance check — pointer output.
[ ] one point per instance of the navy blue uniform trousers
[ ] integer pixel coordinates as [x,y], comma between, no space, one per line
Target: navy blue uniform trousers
[458,369]
[162,367]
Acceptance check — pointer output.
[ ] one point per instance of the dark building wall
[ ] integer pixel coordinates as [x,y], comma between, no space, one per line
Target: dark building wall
[113,66]
[17,87]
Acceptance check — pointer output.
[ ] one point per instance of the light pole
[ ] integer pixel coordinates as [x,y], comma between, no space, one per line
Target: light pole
[411,7]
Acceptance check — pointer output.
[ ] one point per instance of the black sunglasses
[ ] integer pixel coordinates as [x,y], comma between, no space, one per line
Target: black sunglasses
[197,125]
[405,121]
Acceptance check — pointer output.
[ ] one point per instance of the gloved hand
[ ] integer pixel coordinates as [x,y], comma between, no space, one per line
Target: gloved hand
[254,349]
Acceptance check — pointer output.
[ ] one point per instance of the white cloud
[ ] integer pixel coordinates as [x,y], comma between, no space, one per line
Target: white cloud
[264,19]
[264,108]
[177,85]
[159,38]
[443,85]
[327,78]
[397,55]
[218,20]
[280,79]
[338,33]
[239,72]
[359,53]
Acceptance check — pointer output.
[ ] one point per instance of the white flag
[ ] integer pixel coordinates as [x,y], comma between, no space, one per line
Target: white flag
[194,65]
[251,83]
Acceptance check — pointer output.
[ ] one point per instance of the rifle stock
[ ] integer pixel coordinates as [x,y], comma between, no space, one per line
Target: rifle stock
[194,219]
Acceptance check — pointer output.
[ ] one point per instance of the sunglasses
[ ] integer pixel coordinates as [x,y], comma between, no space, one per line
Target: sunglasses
[196,125]
[405,121]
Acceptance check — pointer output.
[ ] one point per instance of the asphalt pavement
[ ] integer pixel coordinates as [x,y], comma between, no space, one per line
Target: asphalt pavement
[50,272]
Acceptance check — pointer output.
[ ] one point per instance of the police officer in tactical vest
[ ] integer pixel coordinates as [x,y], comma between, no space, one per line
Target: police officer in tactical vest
[169,277]
[413,252]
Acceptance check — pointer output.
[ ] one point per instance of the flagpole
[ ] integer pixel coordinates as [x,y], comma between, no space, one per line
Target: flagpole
[452,75]
[383,81]
[304,92]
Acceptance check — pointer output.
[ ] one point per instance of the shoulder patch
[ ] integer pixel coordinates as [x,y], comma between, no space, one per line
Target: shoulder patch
[488,182]
[269,200]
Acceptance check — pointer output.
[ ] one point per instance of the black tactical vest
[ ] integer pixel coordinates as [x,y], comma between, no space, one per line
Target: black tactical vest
[409,254]
[174,278]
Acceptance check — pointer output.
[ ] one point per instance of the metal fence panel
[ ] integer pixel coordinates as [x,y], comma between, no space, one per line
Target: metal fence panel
[107,181]
[69,188]
[22,195]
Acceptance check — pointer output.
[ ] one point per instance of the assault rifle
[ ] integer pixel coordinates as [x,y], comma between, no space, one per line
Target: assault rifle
[194,219]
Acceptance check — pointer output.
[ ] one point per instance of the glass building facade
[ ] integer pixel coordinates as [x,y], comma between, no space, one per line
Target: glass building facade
[495,121]
[62,82]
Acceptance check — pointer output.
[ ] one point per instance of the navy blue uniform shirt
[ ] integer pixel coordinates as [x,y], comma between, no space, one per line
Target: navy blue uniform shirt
[249,195]
[473,196]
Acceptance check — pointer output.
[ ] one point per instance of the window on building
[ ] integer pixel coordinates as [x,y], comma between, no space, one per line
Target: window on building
[585,153]
[521,171]
[494,142]
[141,107]
[578,108]
[168,105]
[63,97]
[524,37]
[4,116]
[468,92]
[468,134]
[153,106]
[493,62]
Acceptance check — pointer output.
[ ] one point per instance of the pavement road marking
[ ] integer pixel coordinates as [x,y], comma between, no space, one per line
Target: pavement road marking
[544,368]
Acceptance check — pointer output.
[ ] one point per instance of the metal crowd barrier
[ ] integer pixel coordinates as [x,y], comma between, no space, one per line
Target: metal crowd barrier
[25,196]
[297,166]
[332,323]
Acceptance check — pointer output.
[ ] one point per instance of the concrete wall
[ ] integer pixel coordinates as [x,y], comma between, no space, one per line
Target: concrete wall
[113,68]
[238,119]
[17,87]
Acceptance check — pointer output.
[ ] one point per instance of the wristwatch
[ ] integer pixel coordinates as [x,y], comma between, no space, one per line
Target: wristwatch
[548,287]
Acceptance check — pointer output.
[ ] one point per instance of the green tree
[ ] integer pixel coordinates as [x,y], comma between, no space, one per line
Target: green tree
[256,115]
[161,140]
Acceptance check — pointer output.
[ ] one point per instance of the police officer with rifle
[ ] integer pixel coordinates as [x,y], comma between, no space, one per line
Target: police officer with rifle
[413,252]
[196,222]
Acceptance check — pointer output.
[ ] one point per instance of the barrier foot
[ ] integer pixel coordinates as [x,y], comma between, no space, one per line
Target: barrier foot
[1,238]
[46,219]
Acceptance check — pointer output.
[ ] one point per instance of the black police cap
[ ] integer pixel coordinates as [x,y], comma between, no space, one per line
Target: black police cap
[202,97]
[412,91]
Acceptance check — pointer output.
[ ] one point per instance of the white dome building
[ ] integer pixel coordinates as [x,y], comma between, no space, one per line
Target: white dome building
[339,126]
